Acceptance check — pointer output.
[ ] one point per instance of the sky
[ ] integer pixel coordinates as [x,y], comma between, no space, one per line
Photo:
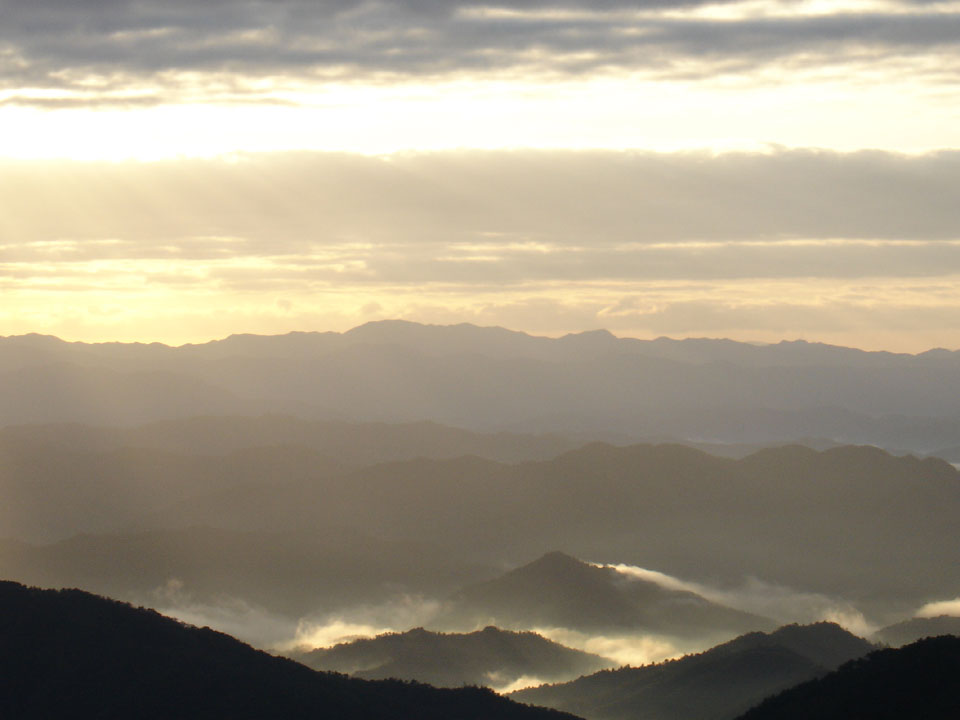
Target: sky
[178,171]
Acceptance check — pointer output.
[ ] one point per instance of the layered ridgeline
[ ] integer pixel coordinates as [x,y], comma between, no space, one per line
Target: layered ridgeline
[559,591]
[853,522]
[63,479]
[909,631]
[488,657]
[491,378]
[718,684]
[72,654]
[916,681]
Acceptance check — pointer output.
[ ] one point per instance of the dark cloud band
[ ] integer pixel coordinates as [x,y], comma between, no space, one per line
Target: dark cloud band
[120,43]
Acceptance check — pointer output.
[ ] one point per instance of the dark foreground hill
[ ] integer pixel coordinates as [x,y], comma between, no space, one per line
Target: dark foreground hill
[916,681]
[487,657]
[71,654]
[557,590]
[715,685]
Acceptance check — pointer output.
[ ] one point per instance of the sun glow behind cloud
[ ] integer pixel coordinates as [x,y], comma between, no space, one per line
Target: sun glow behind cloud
[547,241]
[614,112]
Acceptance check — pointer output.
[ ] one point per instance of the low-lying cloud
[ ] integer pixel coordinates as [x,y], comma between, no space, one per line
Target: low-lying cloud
[940,607]
[627,648]
[234,616]
[363,621]
[273,631]
[780,603]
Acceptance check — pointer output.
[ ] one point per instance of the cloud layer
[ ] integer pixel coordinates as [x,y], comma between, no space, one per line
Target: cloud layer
[153,51]
[816,244]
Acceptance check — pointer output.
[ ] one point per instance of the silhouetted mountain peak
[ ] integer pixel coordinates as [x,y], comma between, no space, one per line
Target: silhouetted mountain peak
[555,561]
[405,330]
[601,336]
[34,339]
[825,643]
[561,591]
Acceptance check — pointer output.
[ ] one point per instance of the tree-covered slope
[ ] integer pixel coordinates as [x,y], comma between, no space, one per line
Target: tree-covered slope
[916,682]
[72,654]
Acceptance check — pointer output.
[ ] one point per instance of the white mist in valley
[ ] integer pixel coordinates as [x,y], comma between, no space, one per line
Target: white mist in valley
[778,602]
[234,616]
[363,621]
[623,649]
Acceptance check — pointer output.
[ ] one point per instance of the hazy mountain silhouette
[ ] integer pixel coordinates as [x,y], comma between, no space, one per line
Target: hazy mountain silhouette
[790,515]
[96,395]
[293,574]
[914,629]
[714,685]
[916,681]
[490,656]
[491,378]
[58,480]
[350,444]
[950,454]
[71,654]
[849,521]
[52,493]
[560,591]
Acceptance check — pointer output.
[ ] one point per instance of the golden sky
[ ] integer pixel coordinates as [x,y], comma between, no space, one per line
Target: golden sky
[178,171]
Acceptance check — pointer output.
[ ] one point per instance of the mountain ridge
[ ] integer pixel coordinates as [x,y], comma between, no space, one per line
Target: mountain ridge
[717,684]
[490,656]
[557,590]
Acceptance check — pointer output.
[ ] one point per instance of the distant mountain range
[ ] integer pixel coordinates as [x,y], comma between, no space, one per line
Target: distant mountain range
[718,684]
[72,654]
[491,657]
[916,681]
[590,385]
[559,591]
